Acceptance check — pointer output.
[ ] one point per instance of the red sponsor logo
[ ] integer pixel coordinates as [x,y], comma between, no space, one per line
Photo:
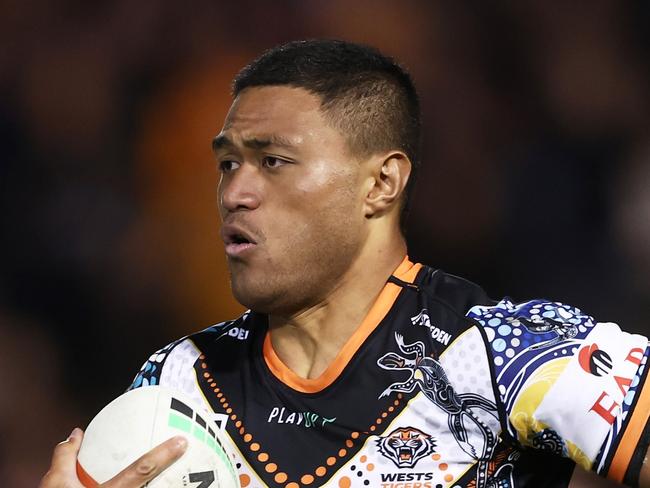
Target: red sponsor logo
[595,361]
[605,406]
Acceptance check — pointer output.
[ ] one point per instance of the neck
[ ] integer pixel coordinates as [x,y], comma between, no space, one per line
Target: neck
[308,341]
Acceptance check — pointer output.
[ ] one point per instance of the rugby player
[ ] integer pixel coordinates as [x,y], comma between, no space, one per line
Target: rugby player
[355,366]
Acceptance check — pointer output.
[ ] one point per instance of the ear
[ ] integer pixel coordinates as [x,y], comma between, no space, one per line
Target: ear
[390,174]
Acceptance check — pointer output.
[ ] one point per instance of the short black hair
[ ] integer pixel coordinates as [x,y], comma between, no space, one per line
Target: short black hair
[368,96]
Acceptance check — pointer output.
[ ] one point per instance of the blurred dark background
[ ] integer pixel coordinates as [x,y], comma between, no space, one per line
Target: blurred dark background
[535,183]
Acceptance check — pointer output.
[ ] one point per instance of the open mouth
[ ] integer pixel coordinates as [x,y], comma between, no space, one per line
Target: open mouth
[236,240]
[239,239]
[404,454]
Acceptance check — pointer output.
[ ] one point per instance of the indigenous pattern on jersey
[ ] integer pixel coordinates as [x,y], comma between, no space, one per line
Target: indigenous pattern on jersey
[438,387]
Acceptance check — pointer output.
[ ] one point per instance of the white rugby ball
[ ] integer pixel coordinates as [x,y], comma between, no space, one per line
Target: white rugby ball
[142,418]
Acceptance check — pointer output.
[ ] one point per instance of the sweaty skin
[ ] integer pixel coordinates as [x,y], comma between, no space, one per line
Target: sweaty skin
[326,230]
[312,234]
[325,221]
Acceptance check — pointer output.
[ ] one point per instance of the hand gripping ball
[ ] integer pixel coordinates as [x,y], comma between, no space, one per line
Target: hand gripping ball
[139,420]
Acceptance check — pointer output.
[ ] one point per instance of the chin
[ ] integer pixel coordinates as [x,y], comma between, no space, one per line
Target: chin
[256,297]
[264,298]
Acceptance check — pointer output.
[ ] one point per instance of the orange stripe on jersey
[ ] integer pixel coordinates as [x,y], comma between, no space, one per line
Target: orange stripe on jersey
[406,271]
[631,436]
[85,478]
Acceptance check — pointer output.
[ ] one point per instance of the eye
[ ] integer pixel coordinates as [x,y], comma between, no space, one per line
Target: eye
[272,162]
[228,165]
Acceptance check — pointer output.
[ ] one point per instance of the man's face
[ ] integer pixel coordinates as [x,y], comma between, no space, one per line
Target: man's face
[290,198]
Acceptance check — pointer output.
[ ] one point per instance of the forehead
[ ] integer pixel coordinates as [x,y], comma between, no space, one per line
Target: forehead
[293,112]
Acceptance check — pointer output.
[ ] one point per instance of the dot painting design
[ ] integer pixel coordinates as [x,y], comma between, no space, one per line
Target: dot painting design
[358,473]
[466,365]
[280,477]
[523,337]
[442,466]
[149,374]
[506,331]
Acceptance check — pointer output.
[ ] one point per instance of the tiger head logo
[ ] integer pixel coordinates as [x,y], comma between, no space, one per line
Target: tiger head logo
[405,446]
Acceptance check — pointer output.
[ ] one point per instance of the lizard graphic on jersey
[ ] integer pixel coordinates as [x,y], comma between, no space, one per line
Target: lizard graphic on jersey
[434,384]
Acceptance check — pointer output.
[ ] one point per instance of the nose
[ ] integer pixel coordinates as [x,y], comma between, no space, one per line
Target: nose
[240,190]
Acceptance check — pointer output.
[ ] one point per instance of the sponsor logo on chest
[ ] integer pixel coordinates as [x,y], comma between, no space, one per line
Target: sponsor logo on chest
[239,333]
[280,415]
[438,334]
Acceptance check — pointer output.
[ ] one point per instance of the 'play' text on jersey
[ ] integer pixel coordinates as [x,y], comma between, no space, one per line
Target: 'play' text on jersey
[438,387]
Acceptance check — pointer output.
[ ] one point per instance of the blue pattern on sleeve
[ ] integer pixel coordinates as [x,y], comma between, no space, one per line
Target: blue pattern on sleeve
[151,370]
[522,337]
[149,374]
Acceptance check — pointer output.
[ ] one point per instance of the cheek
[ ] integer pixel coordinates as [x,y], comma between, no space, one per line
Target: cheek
[330,210]
[325,189]
[314,209]
[320,225]
[219,192]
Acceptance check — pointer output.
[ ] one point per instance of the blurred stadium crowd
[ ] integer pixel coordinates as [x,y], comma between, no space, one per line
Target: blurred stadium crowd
[535,180]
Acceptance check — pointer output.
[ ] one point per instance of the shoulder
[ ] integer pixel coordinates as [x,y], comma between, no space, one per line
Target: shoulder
[453,291]
[471,300]
[173,362]
[537,316]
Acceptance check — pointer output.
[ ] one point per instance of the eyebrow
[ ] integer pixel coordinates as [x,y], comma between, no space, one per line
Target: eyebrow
[258,143]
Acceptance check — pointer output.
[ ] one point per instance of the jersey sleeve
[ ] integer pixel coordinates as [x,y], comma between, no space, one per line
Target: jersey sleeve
[151,371]
[569,384]
[173,365]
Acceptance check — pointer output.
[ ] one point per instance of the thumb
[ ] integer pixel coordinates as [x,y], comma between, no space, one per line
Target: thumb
[63,469]
[64,459]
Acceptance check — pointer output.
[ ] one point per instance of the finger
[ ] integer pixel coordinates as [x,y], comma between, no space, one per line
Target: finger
[62,470]
[150,465]
[64,458]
